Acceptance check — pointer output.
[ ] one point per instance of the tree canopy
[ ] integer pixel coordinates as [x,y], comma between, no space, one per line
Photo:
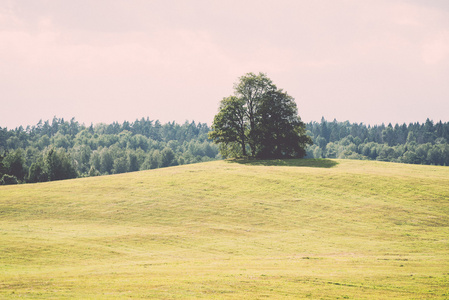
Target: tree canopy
[61,149]
[415,143]
[259,120]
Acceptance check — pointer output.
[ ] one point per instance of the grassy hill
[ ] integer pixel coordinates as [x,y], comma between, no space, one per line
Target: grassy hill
[261,229]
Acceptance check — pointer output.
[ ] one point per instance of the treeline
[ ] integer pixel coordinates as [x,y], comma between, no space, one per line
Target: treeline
[415,143]
[67,149]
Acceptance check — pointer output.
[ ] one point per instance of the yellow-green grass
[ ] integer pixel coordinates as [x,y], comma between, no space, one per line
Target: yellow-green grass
[231,230]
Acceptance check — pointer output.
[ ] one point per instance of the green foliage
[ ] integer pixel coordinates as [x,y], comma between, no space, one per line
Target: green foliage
[15,164]
[167,157]
[280,132]
[34,154]
[259,119]
[3,169]
[414,143]
[120,165]
[229,127]
[93,172]
[8,179]
[58,165]
[133,162]
[106,161]
[38,172]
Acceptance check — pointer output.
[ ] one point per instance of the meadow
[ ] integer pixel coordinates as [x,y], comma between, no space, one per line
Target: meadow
[283,229]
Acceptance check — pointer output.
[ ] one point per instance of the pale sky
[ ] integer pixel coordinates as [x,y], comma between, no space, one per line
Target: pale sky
[370,61]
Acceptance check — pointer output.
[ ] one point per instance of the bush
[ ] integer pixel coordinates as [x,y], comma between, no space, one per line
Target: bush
[8,179]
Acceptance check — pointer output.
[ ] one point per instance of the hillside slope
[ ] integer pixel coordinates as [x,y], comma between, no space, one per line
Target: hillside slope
[280,229]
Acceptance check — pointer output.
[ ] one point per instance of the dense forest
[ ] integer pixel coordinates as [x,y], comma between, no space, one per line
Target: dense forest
[67,149]
[415,143]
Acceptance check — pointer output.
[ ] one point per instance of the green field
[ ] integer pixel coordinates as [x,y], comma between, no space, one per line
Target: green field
[330,229]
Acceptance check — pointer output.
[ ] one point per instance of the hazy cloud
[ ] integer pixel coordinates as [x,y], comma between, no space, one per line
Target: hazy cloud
[370,61]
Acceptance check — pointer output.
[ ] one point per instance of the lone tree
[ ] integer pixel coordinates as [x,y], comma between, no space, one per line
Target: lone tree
[259,119]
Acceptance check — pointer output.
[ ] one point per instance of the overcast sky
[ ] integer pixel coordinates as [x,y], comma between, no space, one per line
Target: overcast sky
[373,61]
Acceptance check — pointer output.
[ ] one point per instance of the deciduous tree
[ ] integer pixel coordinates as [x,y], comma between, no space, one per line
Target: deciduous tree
[259,119]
